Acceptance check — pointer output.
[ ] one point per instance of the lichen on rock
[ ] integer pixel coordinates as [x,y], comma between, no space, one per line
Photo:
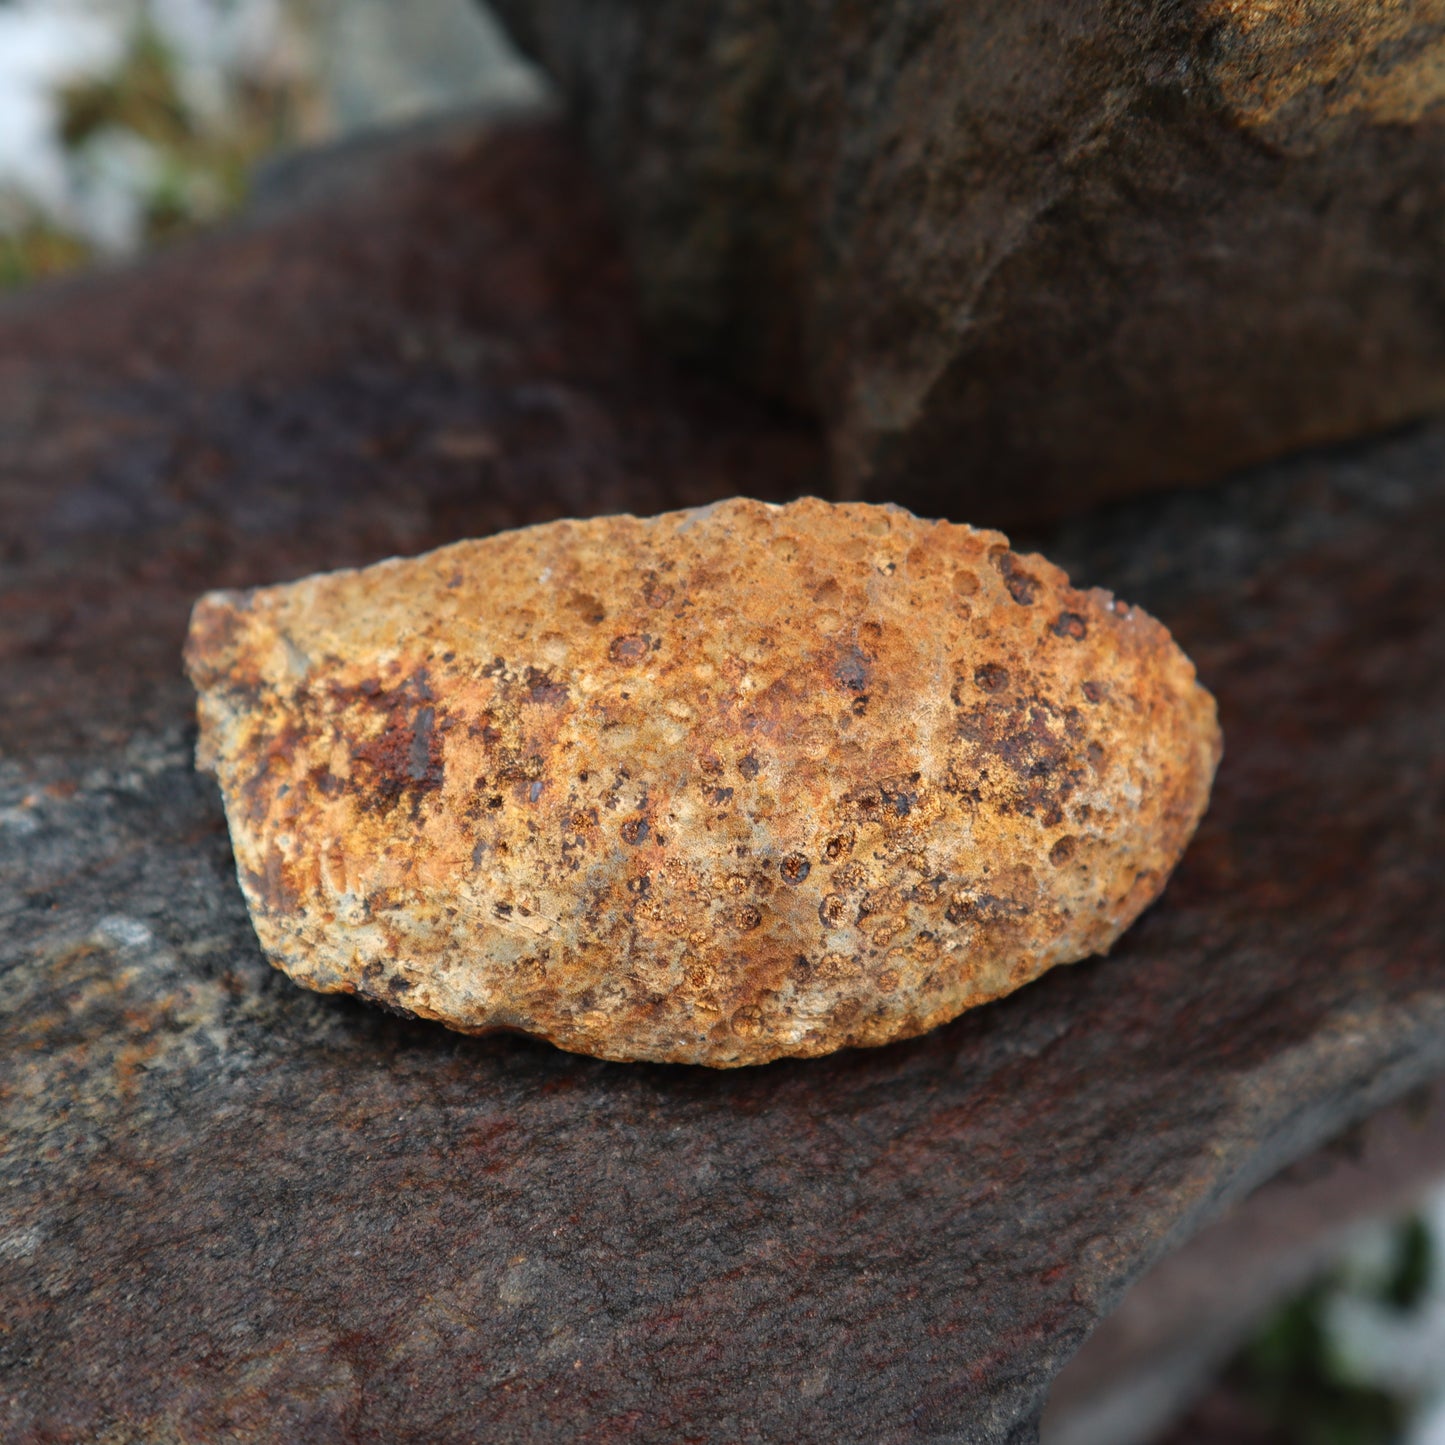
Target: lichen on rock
[717,787]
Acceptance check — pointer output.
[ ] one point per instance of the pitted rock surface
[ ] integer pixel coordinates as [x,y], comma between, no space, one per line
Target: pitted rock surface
[713,787]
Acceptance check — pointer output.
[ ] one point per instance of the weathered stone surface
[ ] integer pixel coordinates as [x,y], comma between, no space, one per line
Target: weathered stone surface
[235,1209]
[1024,256]
[715,787]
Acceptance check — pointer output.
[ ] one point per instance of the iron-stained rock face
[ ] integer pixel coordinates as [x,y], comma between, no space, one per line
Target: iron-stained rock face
[713,787]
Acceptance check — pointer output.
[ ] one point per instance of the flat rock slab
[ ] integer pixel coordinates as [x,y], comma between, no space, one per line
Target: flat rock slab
[233,1209]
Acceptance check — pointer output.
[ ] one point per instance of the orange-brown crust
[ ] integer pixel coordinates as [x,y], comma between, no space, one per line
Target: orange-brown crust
[713,787]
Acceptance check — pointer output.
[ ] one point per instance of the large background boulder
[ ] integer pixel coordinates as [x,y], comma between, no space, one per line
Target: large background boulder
[1021,256]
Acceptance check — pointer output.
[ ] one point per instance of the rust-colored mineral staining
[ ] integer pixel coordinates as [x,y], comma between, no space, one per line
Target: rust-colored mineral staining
[1288,67]
[713,787]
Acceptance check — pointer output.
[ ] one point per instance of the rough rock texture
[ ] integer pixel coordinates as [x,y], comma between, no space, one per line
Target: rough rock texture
[714,787]
[232,1209]
[1024,256]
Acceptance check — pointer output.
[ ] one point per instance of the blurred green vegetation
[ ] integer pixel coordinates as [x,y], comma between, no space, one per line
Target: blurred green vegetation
[1294,1377]
[202,163]
[38,250]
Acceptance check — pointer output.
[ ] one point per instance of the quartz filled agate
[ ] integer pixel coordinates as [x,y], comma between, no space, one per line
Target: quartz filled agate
[713,787]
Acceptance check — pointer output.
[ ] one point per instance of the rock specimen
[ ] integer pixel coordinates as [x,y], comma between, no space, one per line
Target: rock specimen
[713,787]
[1022,256]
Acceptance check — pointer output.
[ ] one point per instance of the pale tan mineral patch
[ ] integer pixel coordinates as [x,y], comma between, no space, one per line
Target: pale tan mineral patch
[715,787]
